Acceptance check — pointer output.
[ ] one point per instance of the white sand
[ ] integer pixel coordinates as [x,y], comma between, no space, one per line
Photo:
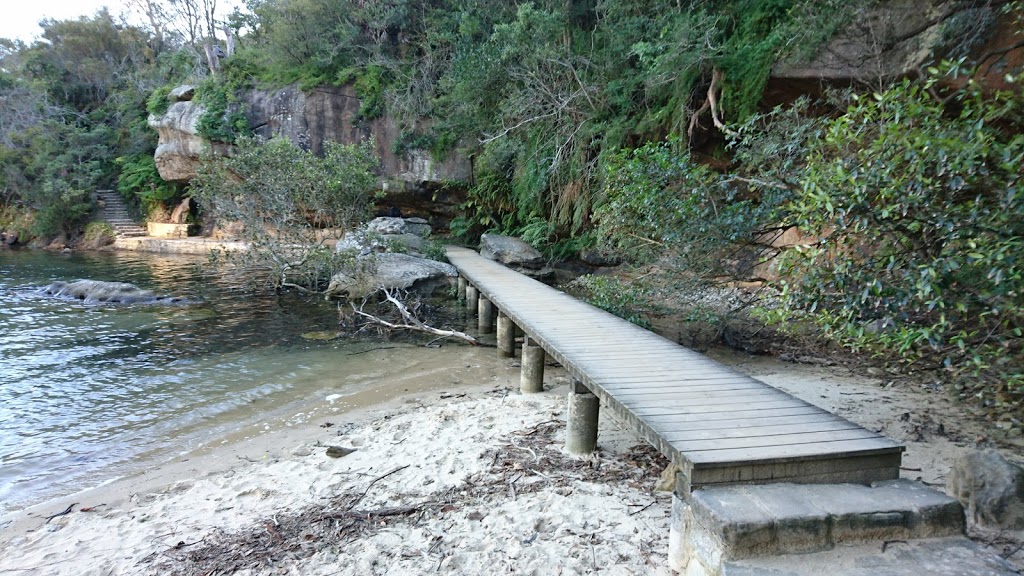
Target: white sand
[483,506]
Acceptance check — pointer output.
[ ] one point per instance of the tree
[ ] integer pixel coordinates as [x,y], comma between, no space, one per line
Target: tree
[283,198]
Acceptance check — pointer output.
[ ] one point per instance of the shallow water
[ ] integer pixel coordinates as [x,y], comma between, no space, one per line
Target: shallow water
[87,391]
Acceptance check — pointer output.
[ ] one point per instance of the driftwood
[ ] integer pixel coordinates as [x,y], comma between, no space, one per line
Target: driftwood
[410,321]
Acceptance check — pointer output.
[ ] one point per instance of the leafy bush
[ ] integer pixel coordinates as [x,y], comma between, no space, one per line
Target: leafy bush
[283,197]
[659,204]
[919,205]
[222,119]
[158,101]
[139,178]
[64,210]
[625,300]
[97,235]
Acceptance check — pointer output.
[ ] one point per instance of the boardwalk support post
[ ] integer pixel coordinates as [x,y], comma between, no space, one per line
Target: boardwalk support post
[471,298]
[461,294]
[506,336]
[532,378]
[485,315]
[581,429]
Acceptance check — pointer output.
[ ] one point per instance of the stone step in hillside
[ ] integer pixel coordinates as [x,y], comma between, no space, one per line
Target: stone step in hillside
[953,556]
[113,211]
[765,529]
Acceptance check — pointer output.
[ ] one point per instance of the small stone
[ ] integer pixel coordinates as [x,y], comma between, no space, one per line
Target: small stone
[338,451]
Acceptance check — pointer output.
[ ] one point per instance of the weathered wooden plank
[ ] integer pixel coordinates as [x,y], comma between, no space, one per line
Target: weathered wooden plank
[692,381]
[680,386]
[668,428]
[774,441]
[807,410]
[685,436]
[693,398]
[876,445]
[667,407]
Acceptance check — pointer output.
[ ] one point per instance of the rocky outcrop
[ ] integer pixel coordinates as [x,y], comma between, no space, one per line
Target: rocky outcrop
[898,38]
[414,183]
[387,234]
[991,489]
[392,271]
[515,254]
[180,146]
[98,292]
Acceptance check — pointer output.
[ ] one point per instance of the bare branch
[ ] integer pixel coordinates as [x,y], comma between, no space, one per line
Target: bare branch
[410,321]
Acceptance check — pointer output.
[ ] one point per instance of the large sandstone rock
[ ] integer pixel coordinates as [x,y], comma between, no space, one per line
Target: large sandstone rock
[387,234]
[394,226]
[517,255]
[180,147]
[392,271]
[414,182]
[897,38]
[991,489]
[96,292]
[510,251]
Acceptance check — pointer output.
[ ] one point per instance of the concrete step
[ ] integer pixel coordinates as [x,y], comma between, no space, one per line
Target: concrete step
[720,525]
[953,556]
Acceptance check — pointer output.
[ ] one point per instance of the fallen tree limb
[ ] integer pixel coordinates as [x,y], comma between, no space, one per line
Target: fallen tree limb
[411,322]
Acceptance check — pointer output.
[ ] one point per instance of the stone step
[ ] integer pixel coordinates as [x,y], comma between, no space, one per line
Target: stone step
[951,556]
[718,525]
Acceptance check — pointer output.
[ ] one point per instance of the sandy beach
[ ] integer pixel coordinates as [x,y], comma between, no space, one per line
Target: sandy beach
[451,472]
[469,480]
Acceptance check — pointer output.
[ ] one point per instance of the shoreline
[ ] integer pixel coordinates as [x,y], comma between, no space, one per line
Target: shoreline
[449,474]
[409,381]
[480,466]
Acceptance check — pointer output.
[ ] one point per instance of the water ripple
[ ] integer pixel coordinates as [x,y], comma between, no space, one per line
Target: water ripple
[86,390]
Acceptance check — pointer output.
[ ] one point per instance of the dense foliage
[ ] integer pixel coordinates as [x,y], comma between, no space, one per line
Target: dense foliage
[919,204]
[584,119]
[73,103]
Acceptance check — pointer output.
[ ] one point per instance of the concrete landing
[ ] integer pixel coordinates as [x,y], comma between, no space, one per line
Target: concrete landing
[954,556]
[759,529]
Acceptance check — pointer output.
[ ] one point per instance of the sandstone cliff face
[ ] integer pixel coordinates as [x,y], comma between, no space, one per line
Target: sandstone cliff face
[899,38]
[180,147]
[414,182]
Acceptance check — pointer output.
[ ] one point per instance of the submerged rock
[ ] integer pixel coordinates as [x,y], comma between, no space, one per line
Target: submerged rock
[96,292]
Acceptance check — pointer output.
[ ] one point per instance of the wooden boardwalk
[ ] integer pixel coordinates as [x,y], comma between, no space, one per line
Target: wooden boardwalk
[717,425]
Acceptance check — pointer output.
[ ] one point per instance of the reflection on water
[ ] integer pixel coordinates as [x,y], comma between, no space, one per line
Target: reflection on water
[87,389]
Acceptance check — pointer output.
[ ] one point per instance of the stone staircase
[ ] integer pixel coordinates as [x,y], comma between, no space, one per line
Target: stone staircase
[892,528]
[113,211]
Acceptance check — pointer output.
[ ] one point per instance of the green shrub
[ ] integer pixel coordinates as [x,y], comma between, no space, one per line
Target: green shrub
[222,119]
[97,235]
[626,300]
[919,205]
[140,179]
[158,101]
[283,197]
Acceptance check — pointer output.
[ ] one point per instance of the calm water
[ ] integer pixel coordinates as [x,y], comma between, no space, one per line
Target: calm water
[87,391]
